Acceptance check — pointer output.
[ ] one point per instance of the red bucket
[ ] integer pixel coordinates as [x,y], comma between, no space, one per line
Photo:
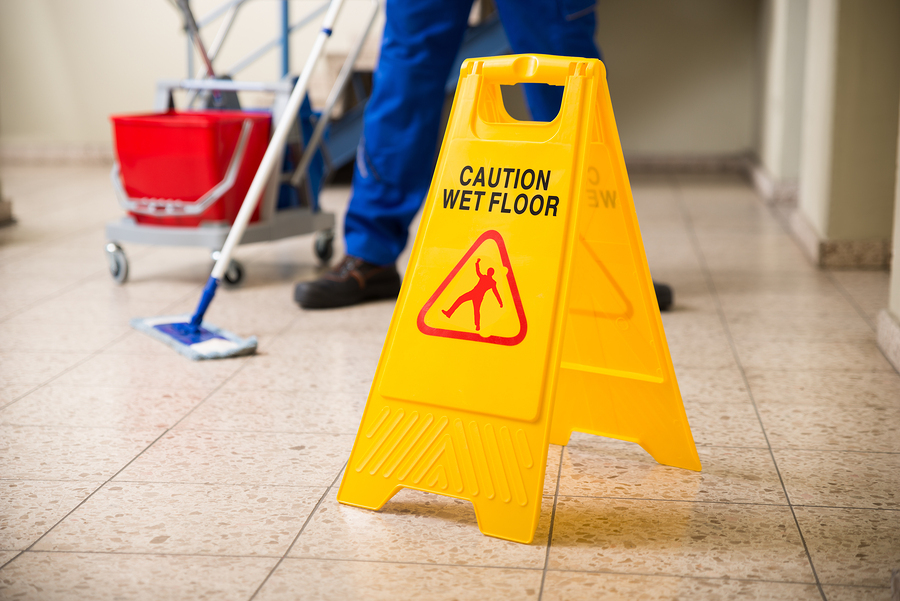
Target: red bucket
[183,156]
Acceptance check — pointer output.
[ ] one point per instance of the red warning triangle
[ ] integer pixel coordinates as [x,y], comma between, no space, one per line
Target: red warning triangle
[475,294]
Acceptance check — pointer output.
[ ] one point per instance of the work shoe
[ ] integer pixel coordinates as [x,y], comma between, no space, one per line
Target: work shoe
[664,296]
[351,282]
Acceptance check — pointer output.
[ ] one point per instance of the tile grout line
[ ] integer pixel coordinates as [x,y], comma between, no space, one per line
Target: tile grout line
[121,469]
[90,356]
[552,520]
[299,533]
[145,449]
[849,298]
[707,275]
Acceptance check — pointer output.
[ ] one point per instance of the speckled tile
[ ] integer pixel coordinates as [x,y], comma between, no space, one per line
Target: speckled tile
[35,368]
[576,586]
[107,576]
[697,340]
[415,527]
[5,557]
[102,407]
[12,392]
[724,424]
[840,478]
[869,289]
[809,323]
[840,427]
[824,388]
[63,453]
[823,355]
[712,385]
[221,457]
[857,593]
[31,507]
[327,580]
[185,519]
[852,546]
[278,411]
[316,374]
[169,371]
[683,539]
[596,468]
[17,335]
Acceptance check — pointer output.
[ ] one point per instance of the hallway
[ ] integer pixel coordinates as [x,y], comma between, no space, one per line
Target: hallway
[130,472]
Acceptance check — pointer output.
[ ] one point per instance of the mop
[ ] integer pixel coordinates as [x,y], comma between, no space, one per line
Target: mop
[189,334]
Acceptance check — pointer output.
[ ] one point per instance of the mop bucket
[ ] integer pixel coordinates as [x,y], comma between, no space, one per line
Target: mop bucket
[181,169]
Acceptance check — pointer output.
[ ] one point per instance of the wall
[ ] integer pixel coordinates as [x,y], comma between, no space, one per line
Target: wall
[65,66]
[683,73]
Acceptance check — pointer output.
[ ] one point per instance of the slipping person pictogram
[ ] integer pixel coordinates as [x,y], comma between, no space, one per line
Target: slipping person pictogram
[476,295]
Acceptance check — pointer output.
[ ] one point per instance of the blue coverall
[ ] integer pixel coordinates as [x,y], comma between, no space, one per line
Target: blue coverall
[395,158]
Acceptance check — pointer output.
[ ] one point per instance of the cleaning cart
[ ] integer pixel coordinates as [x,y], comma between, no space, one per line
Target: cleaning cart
[181,175]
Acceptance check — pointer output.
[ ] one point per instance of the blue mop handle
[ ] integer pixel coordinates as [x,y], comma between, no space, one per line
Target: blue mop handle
[267,164]
[209,291]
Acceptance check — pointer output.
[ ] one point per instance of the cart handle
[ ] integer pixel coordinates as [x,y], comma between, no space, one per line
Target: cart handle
[174,208]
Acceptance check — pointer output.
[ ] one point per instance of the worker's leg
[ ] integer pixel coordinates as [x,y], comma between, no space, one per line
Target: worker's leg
[396,155]
[561,27]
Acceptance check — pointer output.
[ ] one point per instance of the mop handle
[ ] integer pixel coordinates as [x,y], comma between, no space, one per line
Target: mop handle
[279,138]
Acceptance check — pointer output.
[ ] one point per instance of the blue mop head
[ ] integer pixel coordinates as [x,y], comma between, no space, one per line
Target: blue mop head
[205,342]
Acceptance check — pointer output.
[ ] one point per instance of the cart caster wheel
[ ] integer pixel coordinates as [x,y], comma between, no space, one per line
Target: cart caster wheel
[118,262]
[234,274]
[324,245]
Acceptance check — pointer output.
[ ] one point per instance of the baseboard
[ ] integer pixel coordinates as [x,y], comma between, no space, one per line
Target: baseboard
[773,191]
[839,254]
[889,337]
[55,153]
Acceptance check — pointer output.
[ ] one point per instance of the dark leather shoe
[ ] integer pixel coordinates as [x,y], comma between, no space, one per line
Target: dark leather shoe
[351,282]
[664,296]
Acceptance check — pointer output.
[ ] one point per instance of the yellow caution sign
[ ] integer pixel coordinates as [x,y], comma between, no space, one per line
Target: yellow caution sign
[527,310]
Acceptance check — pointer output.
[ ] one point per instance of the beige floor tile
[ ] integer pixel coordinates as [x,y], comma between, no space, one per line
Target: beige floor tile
[852,546]
[315,374]
[806,324]
[101,407]
[869,289]
[594,468]
[185,519]
[64,453]
[840,427]
[415,527]
[18,336]
[828,301]
[107,576]
[699,384]
[682,539]
[31,507]
[823,388]
[724,424]
[575,586]
[817,355]
[841,479]
[13,392]
[321,580]
[277,411]
[37,367]
[249,458]
[7,556]
[170,371]
[857,593]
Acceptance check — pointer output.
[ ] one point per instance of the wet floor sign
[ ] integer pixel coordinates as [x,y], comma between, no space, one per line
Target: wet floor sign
[527,310]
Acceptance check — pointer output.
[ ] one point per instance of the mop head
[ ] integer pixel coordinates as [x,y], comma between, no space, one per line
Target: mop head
[209,342]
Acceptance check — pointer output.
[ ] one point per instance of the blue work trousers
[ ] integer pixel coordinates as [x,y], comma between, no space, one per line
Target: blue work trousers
[396,154]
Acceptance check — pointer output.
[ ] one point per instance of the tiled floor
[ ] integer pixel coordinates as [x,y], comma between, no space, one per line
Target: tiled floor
[129,472]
